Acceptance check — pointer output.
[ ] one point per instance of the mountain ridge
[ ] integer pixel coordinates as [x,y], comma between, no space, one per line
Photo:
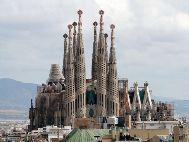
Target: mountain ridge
[15,99]
[15,95]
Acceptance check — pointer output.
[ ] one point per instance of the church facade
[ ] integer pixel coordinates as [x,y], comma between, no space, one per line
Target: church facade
[68,97]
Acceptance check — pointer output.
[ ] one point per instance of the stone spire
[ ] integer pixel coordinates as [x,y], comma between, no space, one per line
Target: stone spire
[74,39]
[112,59]
[65,54]
[69,100]
[80,76]
[95,53]
[147,98]
[80,12]
[74,46]
[136,104]
[106,50]
[102,74]
[127,101]
[70,47]
[101,12]
[31,103]
[136,99]
[147,103]
[31,117]
[113,96]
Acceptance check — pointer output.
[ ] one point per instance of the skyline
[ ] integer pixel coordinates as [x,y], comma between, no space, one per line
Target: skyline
[151,40]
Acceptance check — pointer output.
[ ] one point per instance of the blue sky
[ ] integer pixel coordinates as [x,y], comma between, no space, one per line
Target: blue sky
[152,39]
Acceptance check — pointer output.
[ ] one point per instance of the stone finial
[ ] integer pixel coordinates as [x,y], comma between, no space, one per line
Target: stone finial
[95,24]
[65,35]
[105,35]
[145,84]
[135,83]
[112,26]
[74,24]
[80,12]
[101,12]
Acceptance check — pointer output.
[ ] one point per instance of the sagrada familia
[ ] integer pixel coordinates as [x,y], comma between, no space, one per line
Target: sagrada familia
[68,98]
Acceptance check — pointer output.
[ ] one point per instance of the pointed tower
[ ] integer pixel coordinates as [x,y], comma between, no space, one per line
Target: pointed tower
[74,47]
[127,102]
[31,117]
[65,54]
[136,105]
[113,94]
[69,100]
[74,40]
[127,105]
[147,98]
[95,54]
[102,76]
[106,51]
[147,103]
[107,68]
[80,77]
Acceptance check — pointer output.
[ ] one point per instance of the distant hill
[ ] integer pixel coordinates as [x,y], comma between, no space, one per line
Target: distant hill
[15,98]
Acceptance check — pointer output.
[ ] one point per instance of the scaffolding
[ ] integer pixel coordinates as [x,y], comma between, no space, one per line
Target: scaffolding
[163,111]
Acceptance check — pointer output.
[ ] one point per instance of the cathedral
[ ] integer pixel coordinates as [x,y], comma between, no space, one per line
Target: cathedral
[68,98]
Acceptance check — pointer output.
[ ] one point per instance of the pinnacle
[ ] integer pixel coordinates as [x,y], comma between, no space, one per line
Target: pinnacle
[80,12]
[146,83]
[95,23]
[101,12]
[105,35]
[65,35]
[74,24]
[135,83]
[112,26]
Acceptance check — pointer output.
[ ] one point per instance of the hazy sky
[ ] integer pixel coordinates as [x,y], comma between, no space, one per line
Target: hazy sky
[152,39]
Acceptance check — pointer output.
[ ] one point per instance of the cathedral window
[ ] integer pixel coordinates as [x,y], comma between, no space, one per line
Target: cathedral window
[99,99]
[102,99]
[68,109]
[78,101]
[113,108]
[116,109]
[71,108]
[76,105]
[83,98]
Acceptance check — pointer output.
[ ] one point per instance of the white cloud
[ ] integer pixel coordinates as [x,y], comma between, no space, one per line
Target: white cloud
[151,39]
[183,20]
